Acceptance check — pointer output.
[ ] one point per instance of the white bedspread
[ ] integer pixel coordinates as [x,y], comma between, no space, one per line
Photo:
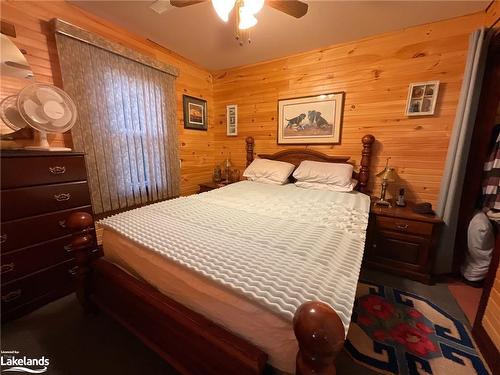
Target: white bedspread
[277,245]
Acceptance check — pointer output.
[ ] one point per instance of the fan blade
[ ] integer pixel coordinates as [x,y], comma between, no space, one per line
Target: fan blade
[63,121]
[33,111]
[293,8]
[185,3]
[45,94]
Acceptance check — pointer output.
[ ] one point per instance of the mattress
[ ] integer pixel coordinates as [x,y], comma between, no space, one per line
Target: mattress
[261,248]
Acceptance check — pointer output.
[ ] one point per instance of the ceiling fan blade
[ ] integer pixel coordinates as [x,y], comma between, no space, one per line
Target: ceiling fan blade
[184,3]
[293,8]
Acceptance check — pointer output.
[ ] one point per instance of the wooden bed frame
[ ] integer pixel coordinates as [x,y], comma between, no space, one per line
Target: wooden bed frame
[189,342]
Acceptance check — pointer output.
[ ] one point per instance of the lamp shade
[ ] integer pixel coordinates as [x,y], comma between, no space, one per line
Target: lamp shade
[388,174]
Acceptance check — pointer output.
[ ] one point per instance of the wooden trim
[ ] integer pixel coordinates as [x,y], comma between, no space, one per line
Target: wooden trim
[8,28]
[65,28]
[296,156]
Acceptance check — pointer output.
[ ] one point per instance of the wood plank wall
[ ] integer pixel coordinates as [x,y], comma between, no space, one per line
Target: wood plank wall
[491,317]
[374,73]
[33,35]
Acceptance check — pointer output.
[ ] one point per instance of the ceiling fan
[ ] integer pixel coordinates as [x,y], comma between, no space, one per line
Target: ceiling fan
[294,8]
[245,11]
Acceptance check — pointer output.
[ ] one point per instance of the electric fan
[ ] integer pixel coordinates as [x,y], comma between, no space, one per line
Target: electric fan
[45,108]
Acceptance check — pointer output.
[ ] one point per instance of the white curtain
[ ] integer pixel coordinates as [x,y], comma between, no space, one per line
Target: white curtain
[458,149]
[126,125]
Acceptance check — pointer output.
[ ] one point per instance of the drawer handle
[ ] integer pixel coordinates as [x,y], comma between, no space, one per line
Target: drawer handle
[72,271]
[7,268]
[402,226]
[68,248]
[62,197]
[62,223]
[3,238]
[57,170]
[9,297]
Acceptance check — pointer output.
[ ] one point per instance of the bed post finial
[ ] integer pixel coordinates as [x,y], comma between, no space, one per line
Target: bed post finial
[364,172]
[250,143]
[320,335]
[81,224]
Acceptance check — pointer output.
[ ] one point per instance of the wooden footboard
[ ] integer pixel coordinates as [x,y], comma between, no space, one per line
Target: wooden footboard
[191,343]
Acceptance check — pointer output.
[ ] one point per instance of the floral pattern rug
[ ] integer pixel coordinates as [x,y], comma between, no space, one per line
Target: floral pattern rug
[396,332]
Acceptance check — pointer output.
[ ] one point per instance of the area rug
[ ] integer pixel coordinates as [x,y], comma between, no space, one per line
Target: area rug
[396,332]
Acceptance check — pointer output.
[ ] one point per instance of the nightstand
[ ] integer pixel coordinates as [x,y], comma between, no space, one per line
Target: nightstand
[402,242]
[207,186]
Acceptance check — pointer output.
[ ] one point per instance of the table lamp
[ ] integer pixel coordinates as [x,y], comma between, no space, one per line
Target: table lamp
[387,175]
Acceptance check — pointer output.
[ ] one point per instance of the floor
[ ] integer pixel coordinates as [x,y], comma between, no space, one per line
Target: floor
[77,344]
[467,297]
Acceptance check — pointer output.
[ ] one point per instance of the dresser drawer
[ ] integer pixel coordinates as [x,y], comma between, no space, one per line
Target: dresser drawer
[404,226]
[22,202]
[31,259]
[29,171]
[16,234]
[19,292]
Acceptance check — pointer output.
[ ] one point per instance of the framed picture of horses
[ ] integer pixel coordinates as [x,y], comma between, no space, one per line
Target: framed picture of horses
[310,119]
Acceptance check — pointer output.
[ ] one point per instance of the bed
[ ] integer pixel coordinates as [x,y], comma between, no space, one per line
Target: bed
[232,279]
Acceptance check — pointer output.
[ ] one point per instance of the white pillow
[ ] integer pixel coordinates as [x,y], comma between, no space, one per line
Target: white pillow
[266,180]
[338,174]
[269,171]
[330,187]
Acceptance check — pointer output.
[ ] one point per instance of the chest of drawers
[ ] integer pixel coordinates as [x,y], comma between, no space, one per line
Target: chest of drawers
[39,190]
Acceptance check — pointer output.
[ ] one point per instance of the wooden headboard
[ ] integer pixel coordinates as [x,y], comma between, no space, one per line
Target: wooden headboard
[297,155]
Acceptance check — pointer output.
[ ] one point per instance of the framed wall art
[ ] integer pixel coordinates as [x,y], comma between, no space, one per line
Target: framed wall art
[195,113]
[310,119]
[232,120]
[422,97]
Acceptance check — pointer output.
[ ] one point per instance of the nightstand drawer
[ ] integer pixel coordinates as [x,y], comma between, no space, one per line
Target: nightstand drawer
[404,226]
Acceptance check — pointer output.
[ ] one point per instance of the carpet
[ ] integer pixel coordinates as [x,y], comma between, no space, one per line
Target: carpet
[396,332]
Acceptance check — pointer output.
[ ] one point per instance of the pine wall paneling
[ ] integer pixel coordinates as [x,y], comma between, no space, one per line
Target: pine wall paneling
[491,318]
[374,73]
[33,35]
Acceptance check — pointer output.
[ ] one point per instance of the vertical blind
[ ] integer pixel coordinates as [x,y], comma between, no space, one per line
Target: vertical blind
[126,125]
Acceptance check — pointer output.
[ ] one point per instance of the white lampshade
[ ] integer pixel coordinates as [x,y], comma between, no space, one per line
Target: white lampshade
[223,8]
[253,6]
[247,20]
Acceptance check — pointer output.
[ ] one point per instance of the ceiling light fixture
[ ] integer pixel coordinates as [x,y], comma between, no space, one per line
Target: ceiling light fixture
[247,19]
[245,15]
[223,8]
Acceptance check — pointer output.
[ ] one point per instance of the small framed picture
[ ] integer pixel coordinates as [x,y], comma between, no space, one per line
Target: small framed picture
[422,97]
[232,120]
[195,113]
